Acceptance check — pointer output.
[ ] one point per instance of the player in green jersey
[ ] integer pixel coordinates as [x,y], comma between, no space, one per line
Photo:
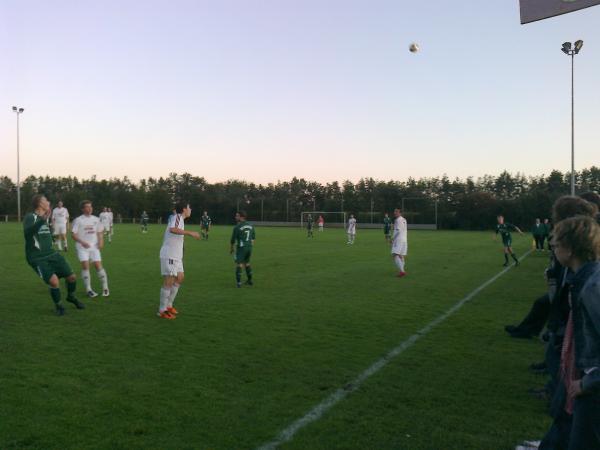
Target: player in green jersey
[504,228]
[242,239]
[309,226]
[205,225]
[144,221]
[41,256]
[387,227]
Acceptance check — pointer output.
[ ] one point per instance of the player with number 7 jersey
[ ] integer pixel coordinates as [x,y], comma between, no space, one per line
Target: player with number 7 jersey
[242,238]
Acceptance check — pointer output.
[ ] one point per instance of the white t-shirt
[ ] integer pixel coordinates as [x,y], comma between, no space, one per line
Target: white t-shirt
[60,215]
[104,218]
[172,247]
[400,230]
[87,228]
[352,225]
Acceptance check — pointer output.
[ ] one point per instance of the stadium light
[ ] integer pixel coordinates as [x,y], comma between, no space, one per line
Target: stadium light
[18,112]
[569,49]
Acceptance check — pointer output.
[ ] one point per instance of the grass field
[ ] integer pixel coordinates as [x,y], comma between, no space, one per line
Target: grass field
[240,365]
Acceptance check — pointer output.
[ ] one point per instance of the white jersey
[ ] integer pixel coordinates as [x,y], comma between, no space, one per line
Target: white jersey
[400,230]
[352,226]
[87,228]
[110,218]
[105,219]
[60,216]
[172,247]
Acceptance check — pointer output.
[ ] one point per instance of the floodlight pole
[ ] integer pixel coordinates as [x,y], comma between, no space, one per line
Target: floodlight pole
[573,123]
[572,50]
[18,111]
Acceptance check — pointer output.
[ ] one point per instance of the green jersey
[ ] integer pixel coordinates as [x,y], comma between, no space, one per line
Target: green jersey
[243,235]
[144,217]
[38,238]
[206,221]
[387,223]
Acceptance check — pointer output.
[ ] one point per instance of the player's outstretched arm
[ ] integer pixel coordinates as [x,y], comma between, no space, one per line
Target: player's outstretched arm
[193,234]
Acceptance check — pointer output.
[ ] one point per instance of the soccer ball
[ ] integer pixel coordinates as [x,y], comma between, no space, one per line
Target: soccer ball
[414,48]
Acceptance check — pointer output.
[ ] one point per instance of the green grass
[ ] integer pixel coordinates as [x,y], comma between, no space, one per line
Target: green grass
[239,365]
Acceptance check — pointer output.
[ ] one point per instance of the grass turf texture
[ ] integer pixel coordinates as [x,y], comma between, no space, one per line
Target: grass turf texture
[239,365]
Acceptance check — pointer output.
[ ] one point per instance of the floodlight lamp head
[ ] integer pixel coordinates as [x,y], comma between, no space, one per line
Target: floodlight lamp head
[565,51]
[14,108]
[566,46]
[21,110]
[578,45]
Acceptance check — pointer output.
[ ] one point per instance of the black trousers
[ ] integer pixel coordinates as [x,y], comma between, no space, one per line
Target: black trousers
[539,242]
[536,319]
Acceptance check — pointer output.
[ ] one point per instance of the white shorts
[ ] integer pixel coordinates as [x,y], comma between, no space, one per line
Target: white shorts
[352,232]
[88,254]
[59,228]
[400,248]
[106,227]
[170,267]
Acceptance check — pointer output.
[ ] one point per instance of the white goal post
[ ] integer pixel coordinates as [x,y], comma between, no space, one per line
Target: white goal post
[331,217]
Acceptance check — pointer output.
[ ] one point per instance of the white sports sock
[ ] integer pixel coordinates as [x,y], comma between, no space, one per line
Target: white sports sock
[173,294]
[85,276]
[164,299]
[399,263]
[59,244]
[103,278]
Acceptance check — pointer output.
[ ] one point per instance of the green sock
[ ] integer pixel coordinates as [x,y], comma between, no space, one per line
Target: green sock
[55,294]
[71,286]
[505,258]
[514,257]
[238,274]
[249,273]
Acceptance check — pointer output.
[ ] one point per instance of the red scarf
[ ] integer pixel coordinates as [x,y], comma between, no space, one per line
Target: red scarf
[567,360]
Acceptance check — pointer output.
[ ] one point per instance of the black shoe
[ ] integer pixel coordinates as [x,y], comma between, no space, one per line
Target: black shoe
[60,310]
[538,366]
[249,283]
[76,302]
[505,264]
[239,285]
[517,262]
[510,328]
[521,334]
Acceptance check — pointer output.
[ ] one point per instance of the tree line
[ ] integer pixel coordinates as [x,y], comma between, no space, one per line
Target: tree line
[468,204]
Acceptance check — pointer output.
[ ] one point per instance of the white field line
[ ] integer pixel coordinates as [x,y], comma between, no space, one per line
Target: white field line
[317,411]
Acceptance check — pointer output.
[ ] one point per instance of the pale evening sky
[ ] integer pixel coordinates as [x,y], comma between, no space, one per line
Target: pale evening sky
[271,89]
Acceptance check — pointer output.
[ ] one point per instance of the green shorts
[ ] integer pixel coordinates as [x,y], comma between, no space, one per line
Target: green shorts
[204,227]
[52,265]
[507,241]
[386,231]
[243,254]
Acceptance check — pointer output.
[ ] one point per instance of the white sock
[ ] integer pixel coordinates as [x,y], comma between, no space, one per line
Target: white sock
[85,276]
[59,244]
[164,299]
[65,242]
[399,263]
[173,294]
[103,278]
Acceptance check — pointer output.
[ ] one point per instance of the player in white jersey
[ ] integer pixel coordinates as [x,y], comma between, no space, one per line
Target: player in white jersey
[60,223]
[400,242]
[105,221]
[171,259]
[351,231]
[87,232]
[111,219]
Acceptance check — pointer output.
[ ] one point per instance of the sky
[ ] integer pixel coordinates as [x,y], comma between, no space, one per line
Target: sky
[265,90]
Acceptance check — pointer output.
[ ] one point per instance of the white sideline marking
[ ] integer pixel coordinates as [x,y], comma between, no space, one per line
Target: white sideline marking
[317,412]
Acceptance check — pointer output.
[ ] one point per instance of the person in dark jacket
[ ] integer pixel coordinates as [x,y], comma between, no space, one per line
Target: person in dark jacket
[538,231]
[576,244]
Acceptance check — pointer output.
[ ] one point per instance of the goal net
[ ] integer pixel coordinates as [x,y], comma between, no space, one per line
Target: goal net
[331,218]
